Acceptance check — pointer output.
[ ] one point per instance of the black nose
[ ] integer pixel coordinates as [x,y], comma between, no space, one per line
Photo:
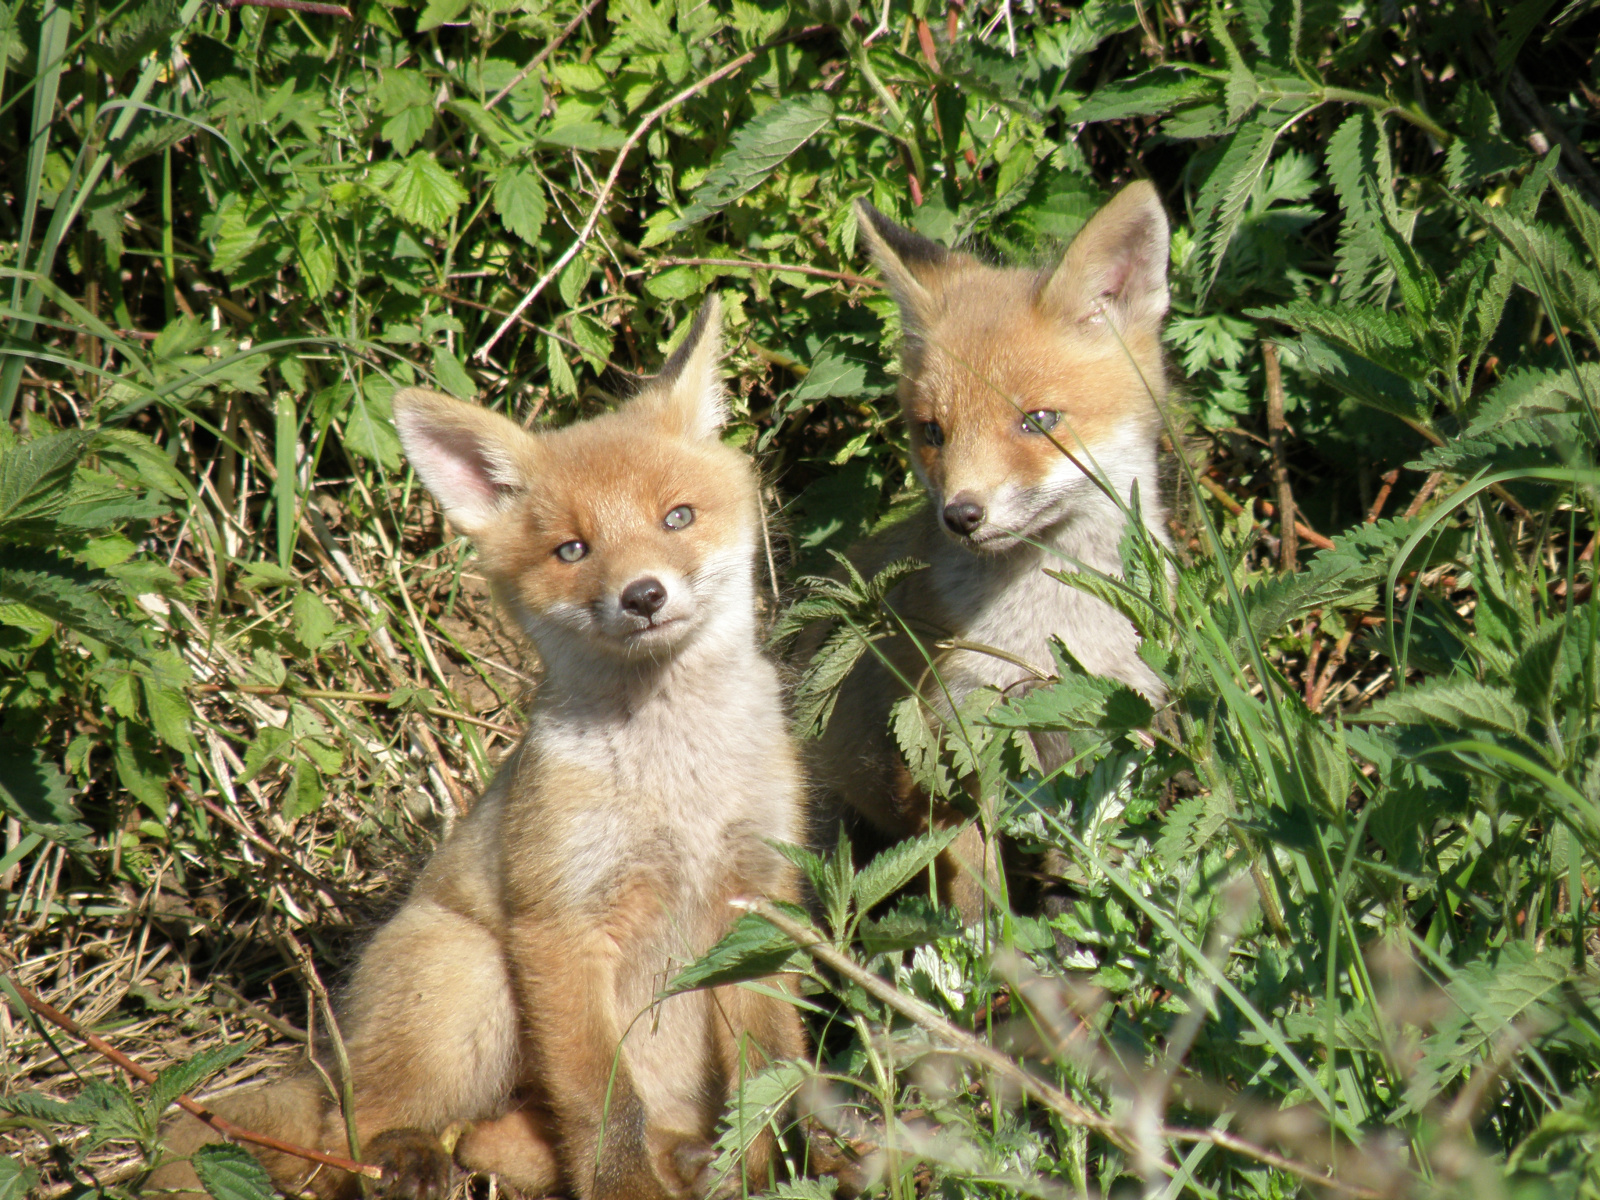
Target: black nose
[644,596]
[963,516]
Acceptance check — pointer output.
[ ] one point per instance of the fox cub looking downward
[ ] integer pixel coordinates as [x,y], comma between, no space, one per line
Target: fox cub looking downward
[656,766]
[994,361]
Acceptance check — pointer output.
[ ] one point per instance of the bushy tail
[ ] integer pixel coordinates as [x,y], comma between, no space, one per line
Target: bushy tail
[293,1110]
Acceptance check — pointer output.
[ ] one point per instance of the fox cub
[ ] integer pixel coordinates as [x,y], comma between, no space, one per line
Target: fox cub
[1003,369]
[657,764]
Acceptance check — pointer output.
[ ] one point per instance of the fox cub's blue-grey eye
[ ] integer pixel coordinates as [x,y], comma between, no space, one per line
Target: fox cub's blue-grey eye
[933,433]
[679,518]
[1041,421]
[571,551]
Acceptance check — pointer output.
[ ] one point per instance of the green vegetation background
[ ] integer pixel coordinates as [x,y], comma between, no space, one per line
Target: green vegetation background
[1335,903]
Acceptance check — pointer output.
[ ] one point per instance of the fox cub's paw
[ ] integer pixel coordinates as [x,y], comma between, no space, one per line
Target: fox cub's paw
[416,1166]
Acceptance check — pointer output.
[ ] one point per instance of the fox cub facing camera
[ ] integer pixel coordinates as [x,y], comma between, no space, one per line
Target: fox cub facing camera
[656,766]
[1002,370]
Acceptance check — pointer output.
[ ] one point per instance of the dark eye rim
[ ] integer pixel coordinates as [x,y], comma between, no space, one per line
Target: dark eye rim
[583,550]
[1040,420]
[686,508]
[932,433]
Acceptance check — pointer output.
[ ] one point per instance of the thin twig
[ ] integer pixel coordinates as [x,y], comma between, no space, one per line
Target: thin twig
[914,1010]
[1288,542]
[986,1056]
[1228,502]
[991,1059]
[189,1105]
[549,48]
[1390,478]
[1422,495]
[268,689]
[634,138]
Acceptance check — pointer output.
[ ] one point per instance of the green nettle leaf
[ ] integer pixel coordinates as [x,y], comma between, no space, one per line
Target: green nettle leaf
[519,199]
[1159,91]
[229,1172]
[35,476]
[408,127]
[1357,149]
[447,369]
[424,193]
[898,865]
[1517,988]
[562,380]
[69,594]
[751,949]
[440,12]
[834,372]
[186,1076]
[1226,193]
[754,1104]
[316,258]
[369,428]
[305,794]
[755,151]
[1453,703]
[36,793]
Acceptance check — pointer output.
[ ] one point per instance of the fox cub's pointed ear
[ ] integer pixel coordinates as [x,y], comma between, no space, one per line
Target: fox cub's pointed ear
[1116,267]
[469,458]
[687,396]
[911,265]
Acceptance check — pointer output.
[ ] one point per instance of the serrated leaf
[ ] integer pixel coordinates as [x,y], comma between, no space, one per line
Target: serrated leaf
[1453,703]
[1517,988]
[1226,194]
[424,193]
[751,949]
[69,594]
[452,376]
[755,151]
[1155,92]
[754,1103]
[915,921]
[520,201]
[229,1172]
[440,12]
[562,381]
[186,1076]
[896,866]
[35,476]
[36,793]
[1077,701]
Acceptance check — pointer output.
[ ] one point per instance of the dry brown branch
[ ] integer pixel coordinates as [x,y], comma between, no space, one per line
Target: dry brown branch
[189,1105]
[1228,502]
[267,689]
[1390,478]
[1012,1072]
[1288,542]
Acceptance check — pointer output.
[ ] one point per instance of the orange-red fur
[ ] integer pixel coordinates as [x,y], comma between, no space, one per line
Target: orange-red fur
[984,346]
[603,856]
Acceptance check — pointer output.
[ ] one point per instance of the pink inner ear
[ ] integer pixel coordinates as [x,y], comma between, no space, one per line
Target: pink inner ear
[1116,276]
[452,464]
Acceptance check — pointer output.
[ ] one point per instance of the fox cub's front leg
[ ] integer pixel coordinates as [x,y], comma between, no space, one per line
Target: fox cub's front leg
[567,983]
